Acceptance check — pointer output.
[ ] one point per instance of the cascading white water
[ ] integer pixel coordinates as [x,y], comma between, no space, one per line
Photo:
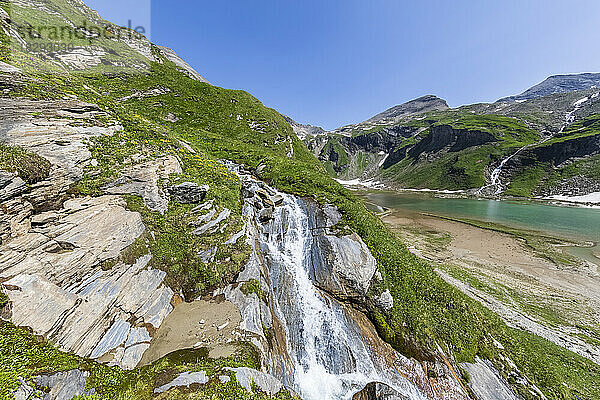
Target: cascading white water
[495,181]
[497,172]
[330,358]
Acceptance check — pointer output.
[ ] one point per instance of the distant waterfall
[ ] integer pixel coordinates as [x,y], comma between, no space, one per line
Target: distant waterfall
[495,182]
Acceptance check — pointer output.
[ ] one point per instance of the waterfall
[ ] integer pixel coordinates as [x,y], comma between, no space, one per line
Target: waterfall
[330,357]
[495,181]
[328,353]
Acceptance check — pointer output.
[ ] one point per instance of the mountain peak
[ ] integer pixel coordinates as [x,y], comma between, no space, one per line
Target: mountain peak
[558,84]
[417,106]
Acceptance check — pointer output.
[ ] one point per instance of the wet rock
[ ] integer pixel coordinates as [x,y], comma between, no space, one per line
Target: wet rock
[185,379]
[142,180]
[64,385]
[266,214]
[378,391]
[385,301]
[342,266]
[188,192]
[267,383]
[332,215]
[277,199]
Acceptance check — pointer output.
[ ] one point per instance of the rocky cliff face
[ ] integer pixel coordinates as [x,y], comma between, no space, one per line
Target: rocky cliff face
[417,106]
[558,84]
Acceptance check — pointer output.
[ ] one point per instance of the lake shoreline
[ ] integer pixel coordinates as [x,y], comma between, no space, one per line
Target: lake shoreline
[529,289]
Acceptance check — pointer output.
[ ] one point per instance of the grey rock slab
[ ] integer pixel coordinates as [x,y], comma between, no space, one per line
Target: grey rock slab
[8,69]
[11,185]
[142,180]
[60,290]
[113,338]
[207,256]
[136,336]
[204,218]
[64,385]
[267,383]
[234,239]
[223,215]
[185,379]
[249,307]
[24,391]
[132,356]
[486,382]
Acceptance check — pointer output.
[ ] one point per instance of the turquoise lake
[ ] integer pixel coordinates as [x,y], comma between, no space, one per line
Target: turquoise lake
[576,223]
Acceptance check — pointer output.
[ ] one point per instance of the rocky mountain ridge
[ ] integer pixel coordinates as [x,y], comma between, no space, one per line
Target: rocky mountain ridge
[459,149]
[558,84]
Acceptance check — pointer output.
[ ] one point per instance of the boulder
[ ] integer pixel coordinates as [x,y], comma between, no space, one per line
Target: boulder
[64,385]
[385,301]
[142,180]
[185,379]
[267,383]
[266,214]
[378,391]
[188,192]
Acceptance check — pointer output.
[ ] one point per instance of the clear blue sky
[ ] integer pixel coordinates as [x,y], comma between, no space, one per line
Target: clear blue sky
[333,62]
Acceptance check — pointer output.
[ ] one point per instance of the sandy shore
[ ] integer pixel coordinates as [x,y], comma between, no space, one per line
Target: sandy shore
[209,324]
[570,293]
